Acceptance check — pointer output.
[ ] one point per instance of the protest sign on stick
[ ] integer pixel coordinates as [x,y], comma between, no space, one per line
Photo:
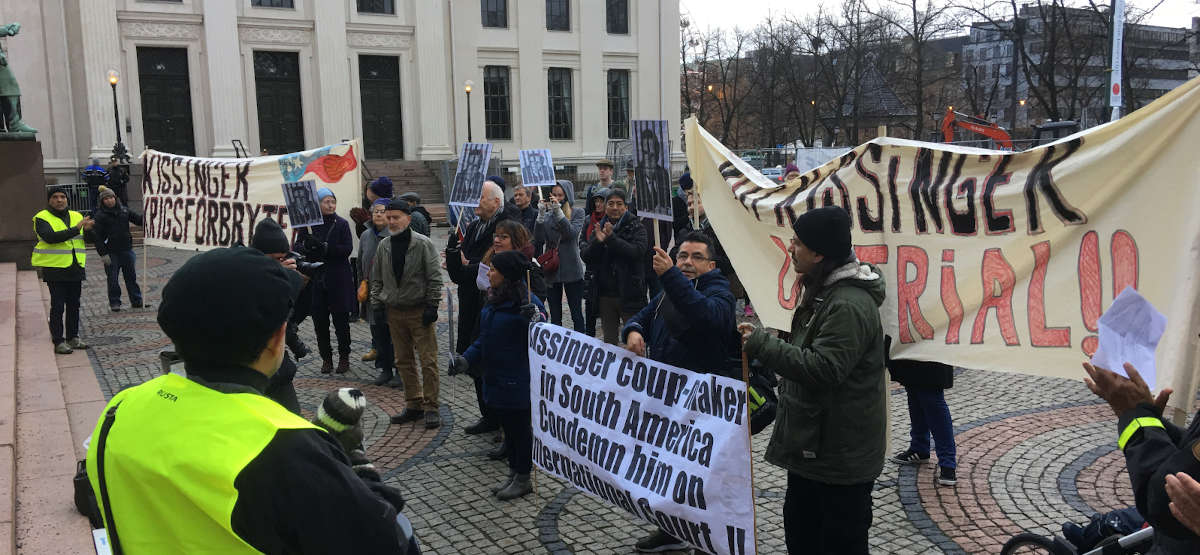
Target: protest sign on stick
[537,168]
[651,191]
[669,446]
[468,179]
[302,205]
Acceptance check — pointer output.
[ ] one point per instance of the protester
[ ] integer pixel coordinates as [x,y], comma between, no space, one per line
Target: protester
[630,183]
[696,208]
[332,291]
[615,253]
[1160,456]
[1184,492]
[378,188]
[690,325]
[681,222]
[924,384]
[95,176]
[594,200]
[829,435]
[118,178]
[558,228]
[406,289]
[790,172]
[270,239]
[523,206]
[462,264]
[421,220]
[60,256]
[511,235]
[604,167]
[229,470]
[381,339]
[501,350]
[114,244]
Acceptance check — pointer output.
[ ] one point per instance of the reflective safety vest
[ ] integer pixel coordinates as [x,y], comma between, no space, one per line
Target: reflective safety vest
[58,255]
[163,460]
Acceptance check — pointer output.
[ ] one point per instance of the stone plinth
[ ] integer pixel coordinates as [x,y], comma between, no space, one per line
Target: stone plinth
[24,192]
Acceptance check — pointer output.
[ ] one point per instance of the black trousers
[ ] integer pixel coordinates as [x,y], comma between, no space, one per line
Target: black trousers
[64,301]
[518,433]
[826,518]
[341,326]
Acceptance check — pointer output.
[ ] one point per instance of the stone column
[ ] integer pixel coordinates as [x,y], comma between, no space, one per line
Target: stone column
[333,72]
[592,90]
[225,87]
[101,52]
[433,82]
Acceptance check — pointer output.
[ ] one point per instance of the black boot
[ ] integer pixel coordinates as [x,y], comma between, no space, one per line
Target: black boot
[482,426]
[385,376]
[327,366]
[294,344]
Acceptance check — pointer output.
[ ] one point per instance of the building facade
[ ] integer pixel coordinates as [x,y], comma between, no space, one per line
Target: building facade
[204,77]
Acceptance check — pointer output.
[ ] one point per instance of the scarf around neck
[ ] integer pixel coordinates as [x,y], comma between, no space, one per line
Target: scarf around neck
[400,243]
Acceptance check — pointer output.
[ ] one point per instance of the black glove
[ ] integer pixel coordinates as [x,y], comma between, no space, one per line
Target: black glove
[459,365]
[530,312]
[452,242]
[430,315]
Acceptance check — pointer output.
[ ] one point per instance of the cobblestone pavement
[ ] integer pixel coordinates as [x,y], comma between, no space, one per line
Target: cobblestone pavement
[1033,452]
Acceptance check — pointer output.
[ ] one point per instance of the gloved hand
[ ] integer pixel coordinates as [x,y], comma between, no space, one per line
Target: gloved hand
[452,242]
[360,215]
[379,313]
[459,365]
[371,477]
[106,259]
[530,312]
[430,315]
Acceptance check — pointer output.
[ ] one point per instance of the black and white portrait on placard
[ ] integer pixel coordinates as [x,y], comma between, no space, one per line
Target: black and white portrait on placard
[651,193]
[468,179]
[537,168]
[302,206]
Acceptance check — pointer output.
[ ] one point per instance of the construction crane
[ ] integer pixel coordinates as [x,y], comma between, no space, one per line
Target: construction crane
[978,125]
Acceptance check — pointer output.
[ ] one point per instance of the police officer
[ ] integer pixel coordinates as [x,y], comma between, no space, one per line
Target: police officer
[60,256]
[206,463]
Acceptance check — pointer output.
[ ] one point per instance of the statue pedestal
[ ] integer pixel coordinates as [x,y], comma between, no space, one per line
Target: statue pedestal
[24,192]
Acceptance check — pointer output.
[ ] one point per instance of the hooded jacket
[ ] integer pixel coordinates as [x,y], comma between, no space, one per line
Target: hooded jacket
[690,324]
[112,227]
[622,258]
[554,229]
[832,398]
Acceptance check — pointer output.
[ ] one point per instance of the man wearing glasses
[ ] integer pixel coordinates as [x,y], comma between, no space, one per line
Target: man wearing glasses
[690,325]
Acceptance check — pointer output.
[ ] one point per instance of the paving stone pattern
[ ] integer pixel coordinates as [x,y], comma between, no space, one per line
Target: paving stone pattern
[1032,453]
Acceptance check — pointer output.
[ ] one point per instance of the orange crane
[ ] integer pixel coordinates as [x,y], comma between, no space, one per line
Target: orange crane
[978,125]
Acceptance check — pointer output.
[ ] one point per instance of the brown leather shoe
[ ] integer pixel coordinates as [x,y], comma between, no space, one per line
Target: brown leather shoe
[370,356]
[343,365]
[327,366]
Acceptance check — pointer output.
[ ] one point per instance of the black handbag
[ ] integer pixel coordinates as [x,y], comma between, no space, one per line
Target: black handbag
[85,497]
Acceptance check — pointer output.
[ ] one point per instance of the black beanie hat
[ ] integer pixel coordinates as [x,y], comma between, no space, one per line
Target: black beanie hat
[685,182]
[401,205]
[51,190]
[511,264]
[223,305]
[825,231]
[269,237]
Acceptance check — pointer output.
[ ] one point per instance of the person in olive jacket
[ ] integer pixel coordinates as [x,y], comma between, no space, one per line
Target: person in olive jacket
[829,433]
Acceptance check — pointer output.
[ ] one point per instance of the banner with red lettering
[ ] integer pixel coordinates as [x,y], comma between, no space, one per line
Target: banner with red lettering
[203,203]
[993,260]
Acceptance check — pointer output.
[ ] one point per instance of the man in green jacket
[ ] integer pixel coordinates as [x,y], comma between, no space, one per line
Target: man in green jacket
[829,434]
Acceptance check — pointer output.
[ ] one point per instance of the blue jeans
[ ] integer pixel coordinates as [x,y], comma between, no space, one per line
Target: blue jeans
[123,262]
[574,291]
[929,415]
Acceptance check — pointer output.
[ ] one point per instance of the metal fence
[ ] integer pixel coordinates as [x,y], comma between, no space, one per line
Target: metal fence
[78,196]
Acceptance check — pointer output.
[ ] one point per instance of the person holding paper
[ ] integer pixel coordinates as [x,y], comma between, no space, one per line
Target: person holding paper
[558,226]
[830,431]
[1161,457]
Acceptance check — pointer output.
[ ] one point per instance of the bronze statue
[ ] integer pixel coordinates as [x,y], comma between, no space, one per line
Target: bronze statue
[10,92]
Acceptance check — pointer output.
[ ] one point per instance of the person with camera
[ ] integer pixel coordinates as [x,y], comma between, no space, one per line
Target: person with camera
[690,324]
[206,463]
[271,240]
[332,289]
[558,227]
[406,289]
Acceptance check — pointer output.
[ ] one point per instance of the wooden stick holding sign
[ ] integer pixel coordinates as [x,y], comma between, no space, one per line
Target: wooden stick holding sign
[537,170]
[468,178]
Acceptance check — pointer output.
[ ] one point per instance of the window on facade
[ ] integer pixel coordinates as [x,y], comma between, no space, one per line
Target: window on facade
[617,16]
[558,15]
[497,105]
[618,104]
[559,97]
[494,12]
[377,6]
[272,3]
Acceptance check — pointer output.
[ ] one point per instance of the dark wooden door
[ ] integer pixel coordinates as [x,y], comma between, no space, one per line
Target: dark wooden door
[166,100]
[379,81]
[280,115]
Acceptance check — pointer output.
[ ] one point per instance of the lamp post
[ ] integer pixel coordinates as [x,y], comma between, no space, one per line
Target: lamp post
[119,151]
[467,88]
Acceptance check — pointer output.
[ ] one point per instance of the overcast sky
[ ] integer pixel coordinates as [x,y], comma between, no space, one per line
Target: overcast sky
[745,14]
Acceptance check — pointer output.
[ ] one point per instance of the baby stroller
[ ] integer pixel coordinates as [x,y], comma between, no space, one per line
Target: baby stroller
[1028,544]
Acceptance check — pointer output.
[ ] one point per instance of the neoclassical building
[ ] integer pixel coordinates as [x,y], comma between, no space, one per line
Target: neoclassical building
[201,76]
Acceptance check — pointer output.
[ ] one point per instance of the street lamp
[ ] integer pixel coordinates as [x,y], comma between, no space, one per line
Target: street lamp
[119,150]
[467,88]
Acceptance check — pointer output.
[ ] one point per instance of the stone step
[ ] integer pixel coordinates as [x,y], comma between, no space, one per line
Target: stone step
[8,406]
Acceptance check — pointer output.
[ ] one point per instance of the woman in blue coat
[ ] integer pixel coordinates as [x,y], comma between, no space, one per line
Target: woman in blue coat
[332,289]
[503,327]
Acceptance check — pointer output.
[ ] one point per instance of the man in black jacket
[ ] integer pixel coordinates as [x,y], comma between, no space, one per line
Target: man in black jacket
[114,244]
[616,254]
[1156,452]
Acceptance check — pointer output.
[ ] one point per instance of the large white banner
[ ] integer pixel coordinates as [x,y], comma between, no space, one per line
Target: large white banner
[669,446]
[205,203]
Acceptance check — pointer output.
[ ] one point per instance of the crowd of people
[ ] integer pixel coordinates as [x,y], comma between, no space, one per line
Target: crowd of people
[674,300]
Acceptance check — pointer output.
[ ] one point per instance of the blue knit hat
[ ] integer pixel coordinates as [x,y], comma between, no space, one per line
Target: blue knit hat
[382,187]
[325,192]
[381,202]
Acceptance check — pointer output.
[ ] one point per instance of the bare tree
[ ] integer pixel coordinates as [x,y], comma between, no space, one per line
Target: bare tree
[919,23]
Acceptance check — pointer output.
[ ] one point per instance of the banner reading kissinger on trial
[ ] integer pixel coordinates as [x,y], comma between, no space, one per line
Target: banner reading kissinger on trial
[993,260]
[666,445]
[204,203]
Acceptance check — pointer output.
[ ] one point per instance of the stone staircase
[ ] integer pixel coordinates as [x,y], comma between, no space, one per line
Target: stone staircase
[407,175]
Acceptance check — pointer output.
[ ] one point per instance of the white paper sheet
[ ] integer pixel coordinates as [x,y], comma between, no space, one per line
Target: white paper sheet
[1129,332]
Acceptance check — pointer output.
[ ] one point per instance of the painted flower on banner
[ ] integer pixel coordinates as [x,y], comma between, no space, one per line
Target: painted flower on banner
[330,168]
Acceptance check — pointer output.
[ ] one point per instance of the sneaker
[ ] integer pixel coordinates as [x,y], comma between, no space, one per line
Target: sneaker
[658,542]
[432,419]
[370,356]
[77,343]
[407,415]
[63,348]
[946,476]
[909,456]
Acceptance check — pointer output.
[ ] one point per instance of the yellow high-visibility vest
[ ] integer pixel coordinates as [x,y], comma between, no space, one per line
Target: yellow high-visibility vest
[58,255]
[168,452]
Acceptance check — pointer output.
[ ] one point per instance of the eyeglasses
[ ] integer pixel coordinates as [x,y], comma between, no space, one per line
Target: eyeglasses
[694,258]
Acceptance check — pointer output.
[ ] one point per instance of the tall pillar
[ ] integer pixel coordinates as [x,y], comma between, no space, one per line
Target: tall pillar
[225,88]
[592,90]
[433,81]
[101,52]
[533,110]
[333,71]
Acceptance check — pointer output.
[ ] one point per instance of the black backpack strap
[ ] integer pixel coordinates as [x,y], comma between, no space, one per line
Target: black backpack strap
[109,417]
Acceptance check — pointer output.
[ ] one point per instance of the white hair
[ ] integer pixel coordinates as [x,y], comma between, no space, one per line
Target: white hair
[492,191]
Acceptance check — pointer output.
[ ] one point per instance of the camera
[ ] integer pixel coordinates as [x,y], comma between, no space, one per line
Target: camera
[303,266]
[312,248]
